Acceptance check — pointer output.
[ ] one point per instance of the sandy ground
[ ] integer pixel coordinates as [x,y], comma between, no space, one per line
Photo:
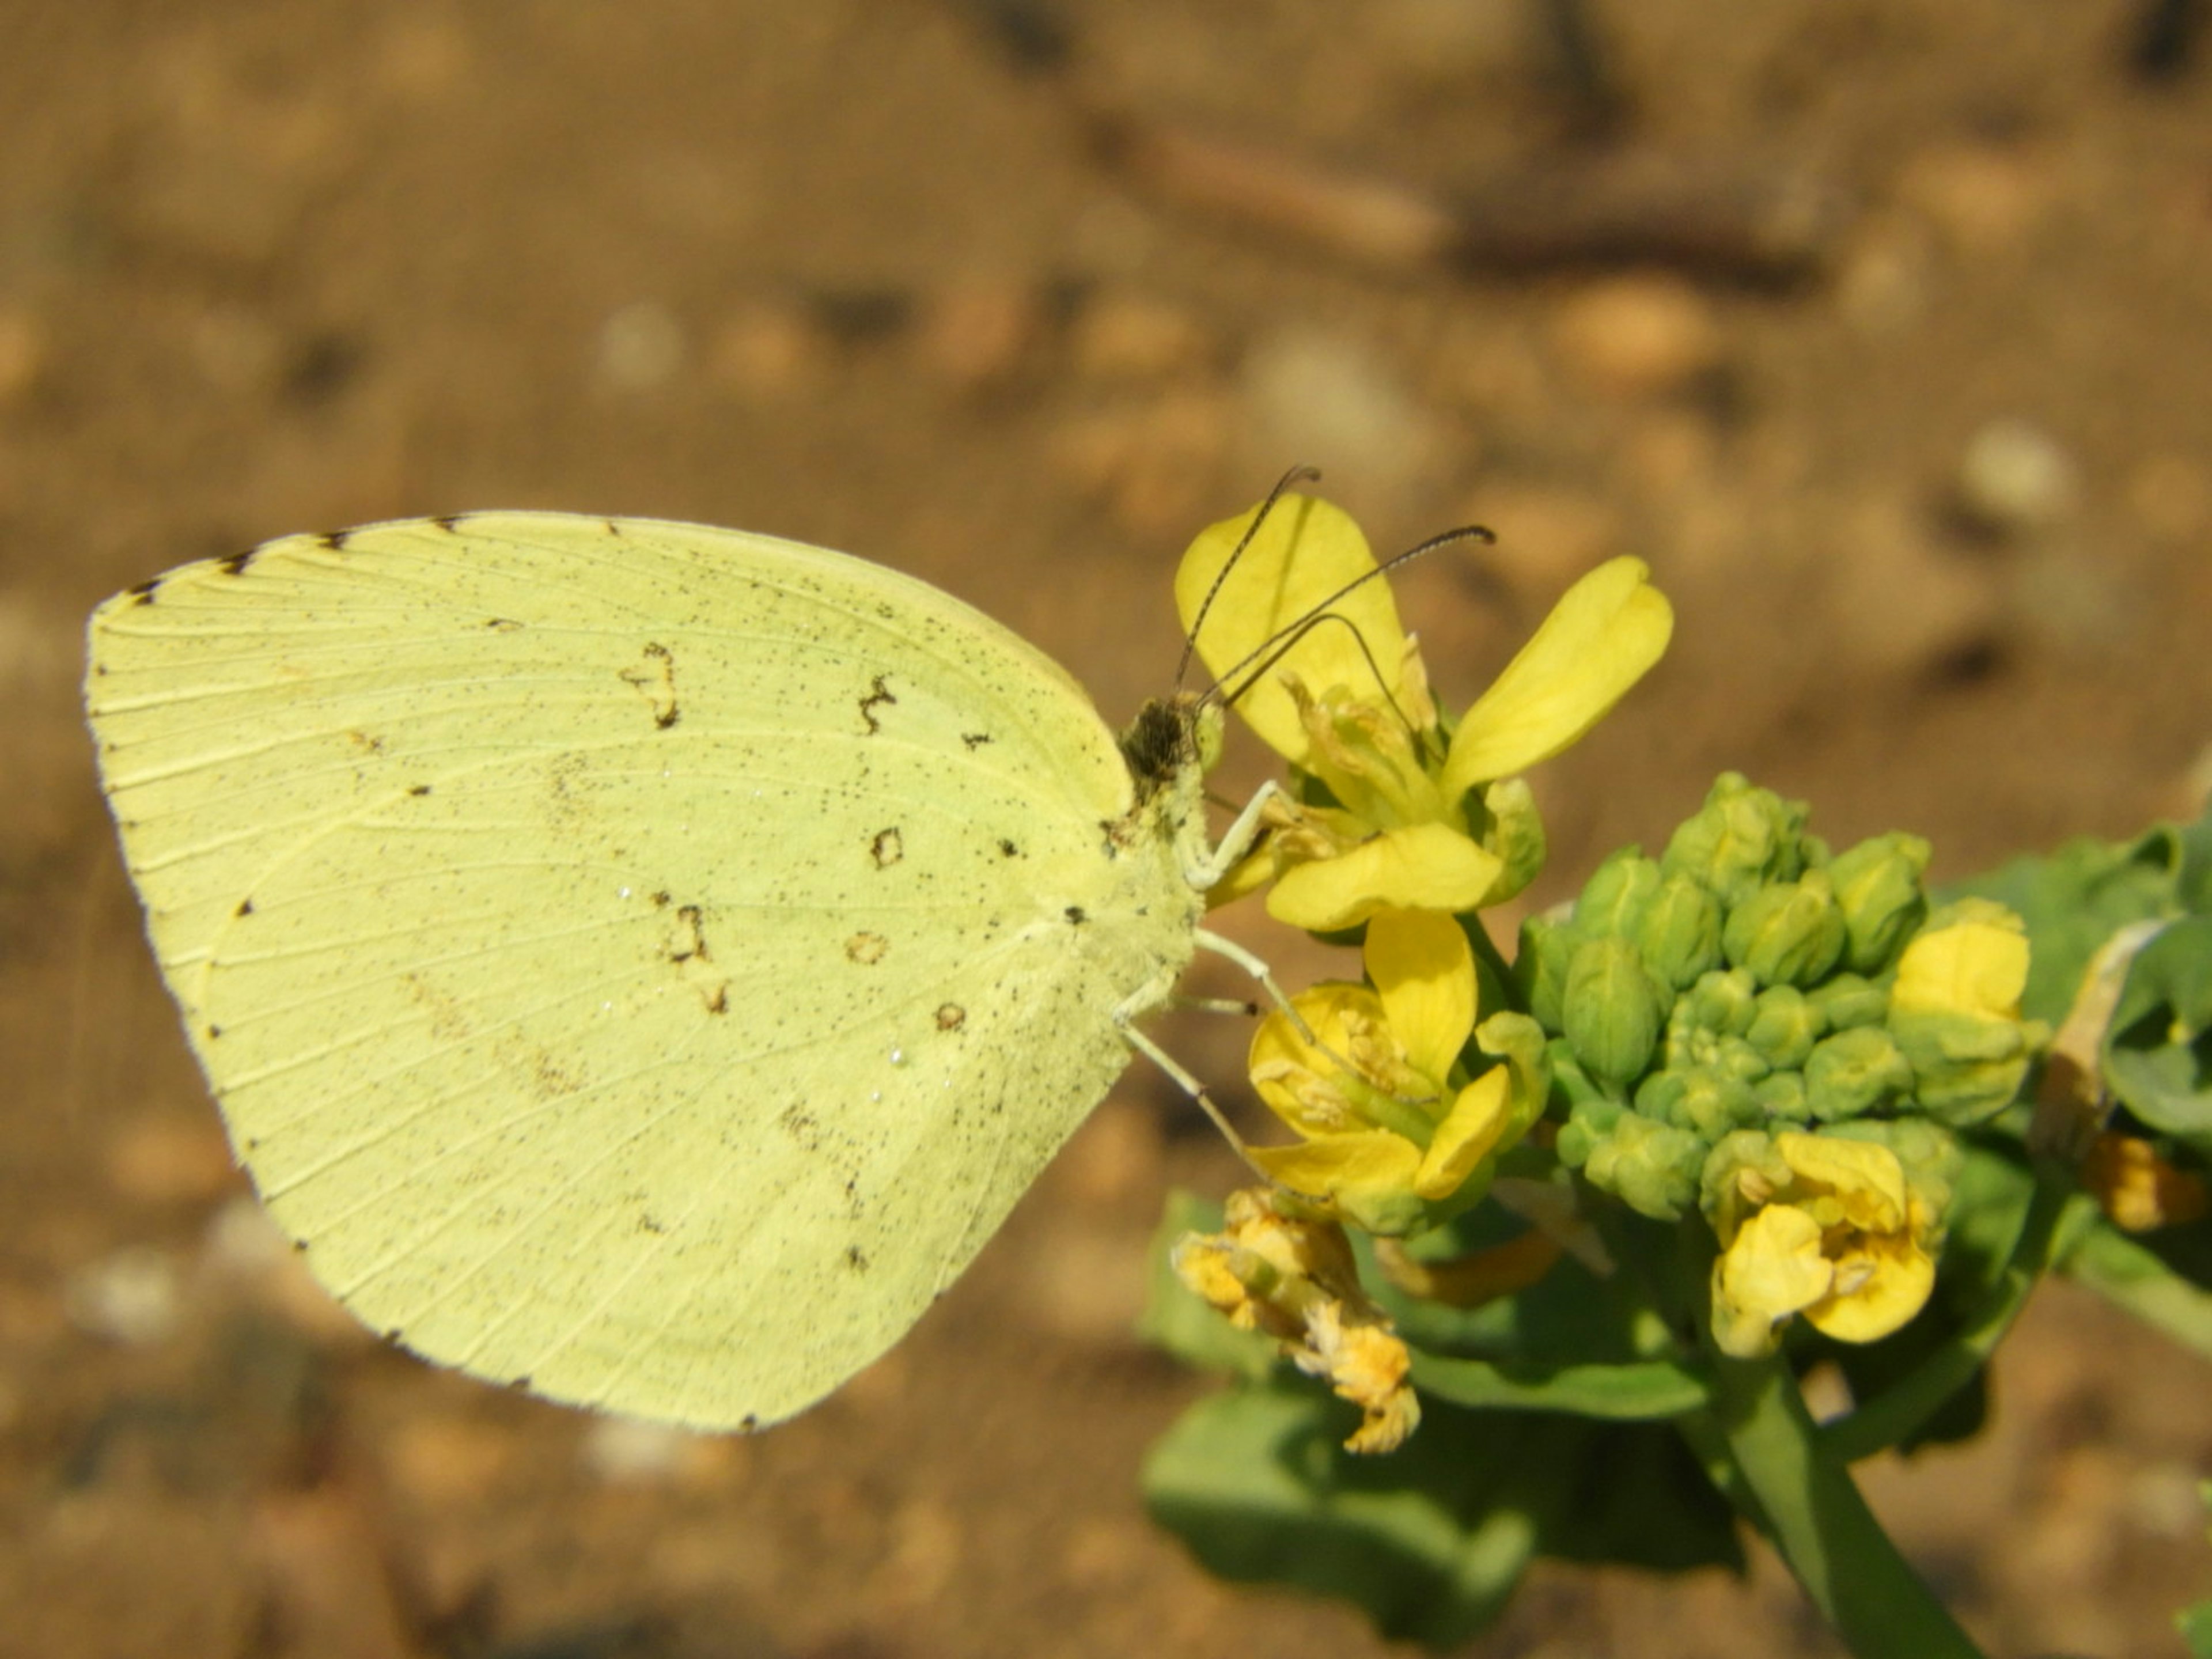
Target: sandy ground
[1881,329]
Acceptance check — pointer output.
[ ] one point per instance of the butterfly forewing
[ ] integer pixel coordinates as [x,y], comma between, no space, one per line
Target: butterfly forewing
[639,960]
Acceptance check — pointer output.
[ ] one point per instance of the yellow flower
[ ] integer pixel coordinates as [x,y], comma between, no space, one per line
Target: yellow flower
[1403,809]
[1816,1224]
[1294,1279]
[1395,1135]
[1955,1011]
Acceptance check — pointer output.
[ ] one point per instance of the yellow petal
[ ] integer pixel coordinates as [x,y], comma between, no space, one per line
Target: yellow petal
[1306,550]
[1425,867]
[1598,641]
[1367,1175]
[1775,1268]
[1424,972]
[1866,1179]
[1970,967]
[1303,1083]
[1890,1278]
[1469,1133]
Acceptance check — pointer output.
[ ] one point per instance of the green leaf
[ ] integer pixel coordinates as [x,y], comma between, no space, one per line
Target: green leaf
[2080,895]
[2158,1049]
[2139,1275]
[2195,1624]
[1651,1391]
[1571,1316]
[1182,1323]
[1430,1542]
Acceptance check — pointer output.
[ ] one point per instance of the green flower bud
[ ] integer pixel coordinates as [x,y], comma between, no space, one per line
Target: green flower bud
[1570,1085]
[1845,1001]
[1784,1027]
[1724,1001]
[1742,837]
[1656,1095]
[1615,897]
[1856,1072]
[1787,932]
[1509,826]
[1610,1011]
[1965,1069]
[1735,1057]
[1954,1011]
[1878,889]
[1706,1102]
[1782,1096]
[1540,966]
[1589,1124]
[1679,933]
[1653,1168]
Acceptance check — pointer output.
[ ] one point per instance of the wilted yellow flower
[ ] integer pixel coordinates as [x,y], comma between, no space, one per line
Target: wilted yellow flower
[1419,813]
[1392,1129]
[1294,1279]
[1814,1225]
[2139,1190]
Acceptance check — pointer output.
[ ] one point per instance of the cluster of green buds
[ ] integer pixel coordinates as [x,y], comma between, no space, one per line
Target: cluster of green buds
[1784,1039]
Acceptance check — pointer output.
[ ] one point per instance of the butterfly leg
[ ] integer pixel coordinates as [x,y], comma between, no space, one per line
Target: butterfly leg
[1206,868]
[1229,951]
[1180,1077]
[1213,1005]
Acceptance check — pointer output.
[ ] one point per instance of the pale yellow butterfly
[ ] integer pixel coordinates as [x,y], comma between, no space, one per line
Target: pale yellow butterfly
[637,962]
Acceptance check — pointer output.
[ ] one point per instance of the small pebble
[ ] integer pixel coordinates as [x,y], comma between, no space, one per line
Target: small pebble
[1638,337]
[640,346]
[768,351]
[1331,401]
[2016,479]
[624,1450]
[979,330]
[133,1297]
[1134,337]
[1985,198]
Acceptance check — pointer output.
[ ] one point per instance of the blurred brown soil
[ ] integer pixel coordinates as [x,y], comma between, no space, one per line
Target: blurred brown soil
[1932,489]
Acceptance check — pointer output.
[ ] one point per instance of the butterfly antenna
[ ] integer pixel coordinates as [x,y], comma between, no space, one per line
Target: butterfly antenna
[1246,672]
[1297,475]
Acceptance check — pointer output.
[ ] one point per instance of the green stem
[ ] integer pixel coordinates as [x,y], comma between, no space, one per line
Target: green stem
[1820,1525]
[1892,1416]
